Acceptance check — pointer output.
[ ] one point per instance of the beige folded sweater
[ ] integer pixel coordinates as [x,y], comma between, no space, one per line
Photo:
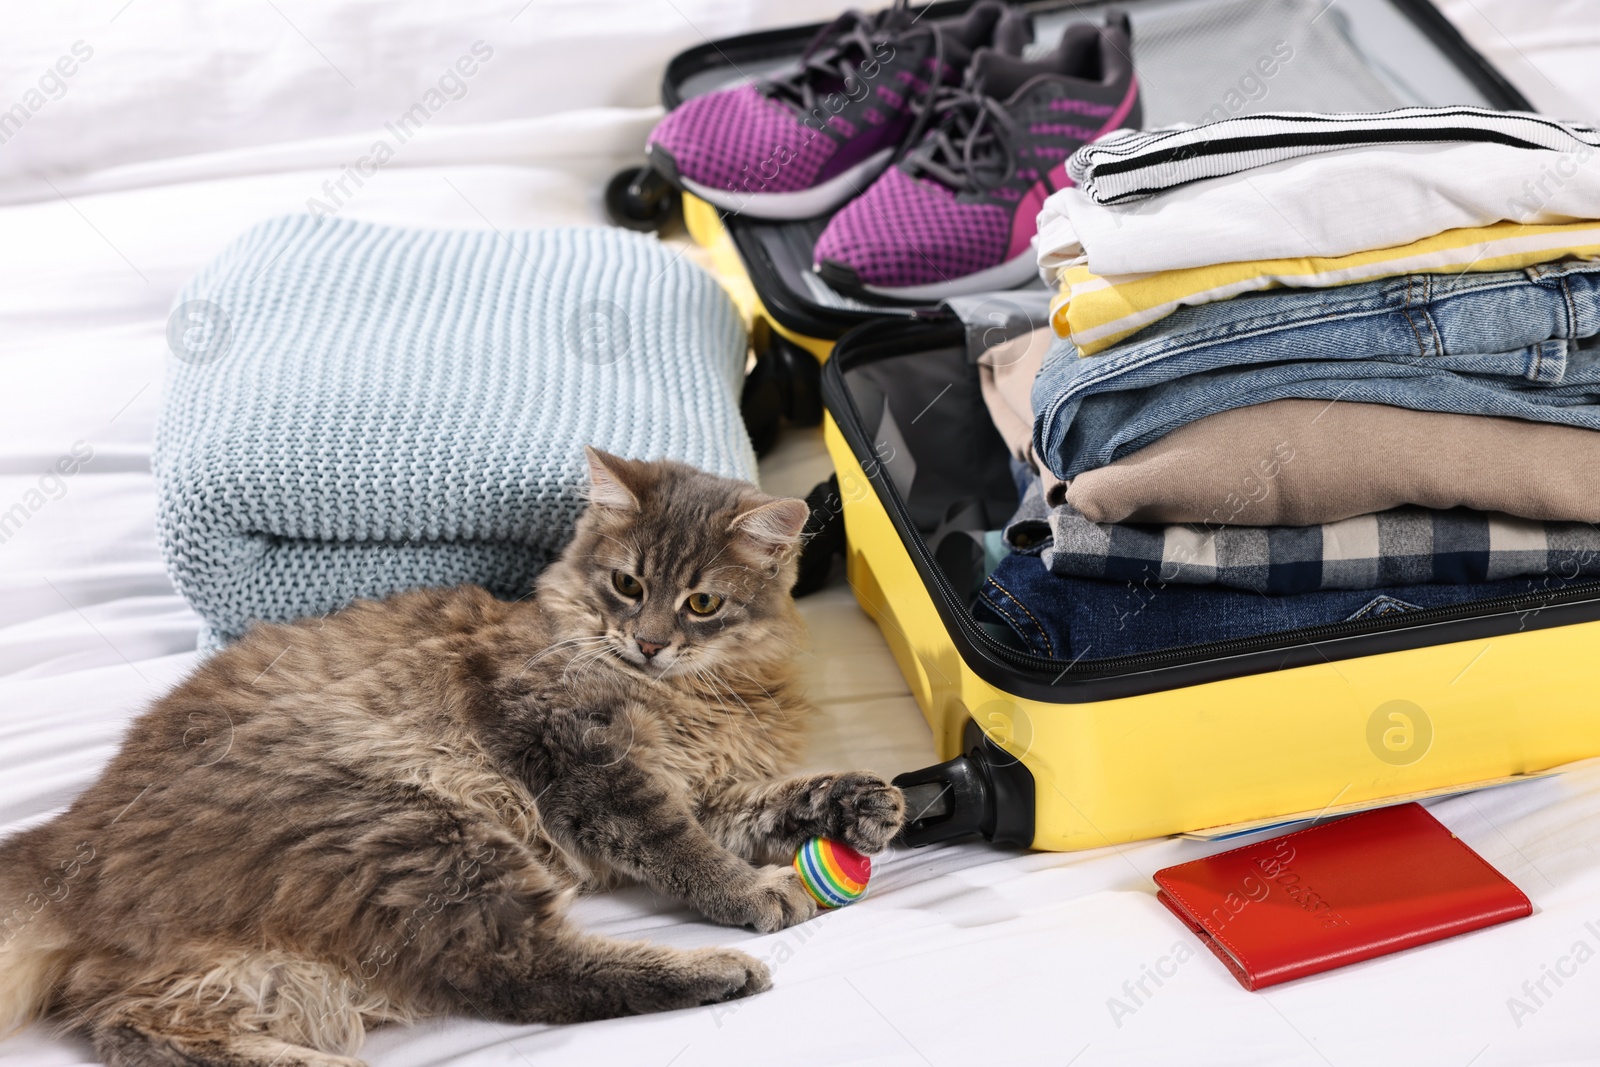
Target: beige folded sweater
[1005,376]
[1305,462]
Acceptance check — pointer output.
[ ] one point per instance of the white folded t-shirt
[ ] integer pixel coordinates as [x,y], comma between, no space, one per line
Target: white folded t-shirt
[1325,205]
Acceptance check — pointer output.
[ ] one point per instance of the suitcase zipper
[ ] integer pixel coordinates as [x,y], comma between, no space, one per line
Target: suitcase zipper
[1312,635]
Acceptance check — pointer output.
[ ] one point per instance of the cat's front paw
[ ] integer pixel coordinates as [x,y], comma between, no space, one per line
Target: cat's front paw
[772,899]
[864,811]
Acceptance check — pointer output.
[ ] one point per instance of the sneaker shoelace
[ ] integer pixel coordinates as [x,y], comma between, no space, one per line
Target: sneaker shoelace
[971,147]
[839,50]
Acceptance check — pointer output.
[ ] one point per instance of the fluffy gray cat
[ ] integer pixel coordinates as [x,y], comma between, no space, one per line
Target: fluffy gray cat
[382,814]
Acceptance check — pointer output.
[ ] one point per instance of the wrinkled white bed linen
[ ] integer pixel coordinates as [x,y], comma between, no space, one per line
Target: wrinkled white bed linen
[185,126]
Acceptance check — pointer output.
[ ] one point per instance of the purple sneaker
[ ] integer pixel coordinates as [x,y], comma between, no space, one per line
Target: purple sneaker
[958,213]
[801,143]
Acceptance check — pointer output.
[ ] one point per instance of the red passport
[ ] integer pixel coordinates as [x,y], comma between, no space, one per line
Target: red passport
[1336,894]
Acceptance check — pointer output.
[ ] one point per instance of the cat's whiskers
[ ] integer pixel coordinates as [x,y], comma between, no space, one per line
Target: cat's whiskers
[707,564]
[614,540]
[584,656]
[707,688]
[587,658]
[735,694]
[717,685]
[552,649]
[755,682]
[630,548]
[586,645]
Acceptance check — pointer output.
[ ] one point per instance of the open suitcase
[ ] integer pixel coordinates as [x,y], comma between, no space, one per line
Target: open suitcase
[1069,754]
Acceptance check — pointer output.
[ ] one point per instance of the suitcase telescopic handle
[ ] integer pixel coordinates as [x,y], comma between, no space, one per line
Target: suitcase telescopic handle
[987,791]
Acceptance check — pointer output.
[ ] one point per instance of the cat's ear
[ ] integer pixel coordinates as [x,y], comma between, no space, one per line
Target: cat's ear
[774,526]
[607,488]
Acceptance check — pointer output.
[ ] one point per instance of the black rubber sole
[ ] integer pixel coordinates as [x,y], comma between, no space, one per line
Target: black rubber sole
[662,162]
[847,282]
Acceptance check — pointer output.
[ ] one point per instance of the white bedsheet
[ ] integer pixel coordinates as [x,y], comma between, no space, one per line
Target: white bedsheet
[185,127]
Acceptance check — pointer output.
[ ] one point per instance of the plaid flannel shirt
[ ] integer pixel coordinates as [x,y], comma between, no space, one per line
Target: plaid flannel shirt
[1405,546]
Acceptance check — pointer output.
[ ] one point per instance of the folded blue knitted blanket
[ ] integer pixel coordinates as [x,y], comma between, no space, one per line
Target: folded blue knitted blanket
[353,410]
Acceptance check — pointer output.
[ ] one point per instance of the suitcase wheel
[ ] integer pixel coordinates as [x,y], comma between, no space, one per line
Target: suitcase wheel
[803,401]
[823,538]
[640,198]
[987,791]
[785,383]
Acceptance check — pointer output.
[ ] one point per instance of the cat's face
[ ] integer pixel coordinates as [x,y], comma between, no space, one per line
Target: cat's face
[674,571]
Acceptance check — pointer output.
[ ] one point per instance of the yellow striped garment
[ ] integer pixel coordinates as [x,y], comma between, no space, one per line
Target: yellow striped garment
[1096,311]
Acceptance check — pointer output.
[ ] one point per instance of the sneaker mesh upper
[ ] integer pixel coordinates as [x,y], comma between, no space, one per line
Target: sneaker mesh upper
[910,228]
[738,139]
[904,231]
[851,98]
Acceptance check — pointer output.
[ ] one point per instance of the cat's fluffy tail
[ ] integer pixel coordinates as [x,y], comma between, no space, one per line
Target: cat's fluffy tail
[34,952]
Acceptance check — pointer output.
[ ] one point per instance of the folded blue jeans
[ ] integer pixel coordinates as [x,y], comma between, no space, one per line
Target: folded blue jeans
[1087,618]
[1504,343]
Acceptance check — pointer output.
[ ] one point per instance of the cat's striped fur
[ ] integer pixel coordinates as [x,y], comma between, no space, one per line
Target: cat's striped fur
[382,814]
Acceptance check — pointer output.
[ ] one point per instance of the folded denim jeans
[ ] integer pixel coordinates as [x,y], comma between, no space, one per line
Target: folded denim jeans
[1087,618]
[1503,343]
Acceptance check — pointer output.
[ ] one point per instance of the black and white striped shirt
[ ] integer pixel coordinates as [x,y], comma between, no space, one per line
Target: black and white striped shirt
[1136,165]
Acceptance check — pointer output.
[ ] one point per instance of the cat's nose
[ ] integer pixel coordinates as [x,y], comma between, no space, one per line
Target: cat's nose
[649,648]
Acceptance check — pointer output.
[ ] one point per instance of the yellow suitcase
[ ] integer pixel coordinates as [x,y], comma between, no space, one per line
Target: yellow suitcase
[1069,755]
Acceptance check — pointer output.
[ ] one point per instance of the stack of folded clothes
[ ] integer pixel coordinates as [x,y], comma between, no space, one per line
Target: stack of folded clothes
[1306,369]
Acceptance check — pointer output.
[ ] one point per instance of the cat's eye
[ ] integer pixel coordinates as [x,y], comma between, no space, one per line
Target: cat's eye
[703,603]
[626,584]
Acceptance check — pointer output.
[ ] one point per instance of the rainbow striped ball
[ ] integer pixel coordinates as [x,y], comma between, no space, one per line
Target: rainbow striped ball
[833,872]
